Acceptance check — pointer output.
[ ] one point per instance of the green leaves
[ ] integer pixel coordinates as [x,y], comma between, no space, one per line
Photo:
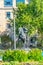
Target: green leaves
[23,56]
[30,15]
[35,54]
[15,55]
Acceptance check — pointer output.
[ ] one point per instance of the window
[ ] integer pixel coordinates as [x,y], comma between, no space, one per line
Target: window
[7,2]
[7,14]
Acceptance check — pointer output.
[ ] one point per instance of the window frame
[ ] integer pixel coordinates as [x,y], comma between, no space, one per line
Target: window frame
[11,3]
[8,14]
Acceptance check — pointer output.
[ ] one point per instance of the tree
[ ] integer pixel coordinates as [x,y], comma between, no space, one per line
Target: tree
[36,13]
[31,16]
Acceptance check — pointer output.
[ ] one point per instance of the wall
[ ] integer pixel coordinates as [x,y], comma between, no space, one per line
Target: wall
[3,10]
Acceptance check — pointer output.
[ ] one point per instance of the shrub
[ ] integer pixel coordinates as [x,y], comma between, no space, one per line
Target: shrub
[35,54]
[22,56]
[15,55]
[7,56]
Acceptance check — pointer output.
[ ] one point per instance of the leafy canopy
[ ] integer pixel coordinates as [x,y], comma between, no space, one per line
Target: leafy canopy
[30,15]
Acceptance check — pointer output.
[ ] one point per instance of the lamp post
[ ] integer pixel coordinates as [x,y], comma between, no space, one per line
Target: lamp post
[14,16]
[14,33]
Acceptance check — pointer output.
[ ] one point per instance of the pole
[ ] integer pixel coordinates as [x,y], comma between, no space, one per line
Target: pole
[14,35]
[14,29]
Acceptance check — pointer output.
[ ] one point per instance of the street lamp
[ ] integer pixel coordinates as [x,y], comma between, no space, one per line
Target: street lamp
[14,35]
[14,16]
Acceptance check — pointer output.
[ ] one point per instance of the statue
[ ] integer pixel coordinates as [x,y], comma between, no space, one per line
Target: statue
[22,34]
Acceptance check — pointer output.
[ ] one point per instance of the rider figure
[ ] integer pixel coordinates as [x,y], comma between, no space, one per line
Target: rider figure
[22,32]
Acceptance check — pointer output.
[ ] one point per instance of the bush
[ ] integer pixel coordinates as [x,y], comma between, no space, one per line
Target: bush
[35,54]
[22,56]
[7,56]
[15,55]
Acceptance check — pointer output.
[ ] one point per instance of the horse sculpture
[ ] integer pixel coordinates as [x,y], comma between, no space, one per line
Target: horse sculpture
[26,40]
[22,36]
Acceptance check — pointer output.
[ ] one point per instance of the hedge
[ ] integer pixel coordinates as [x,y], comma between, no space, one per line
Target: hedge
[22,56]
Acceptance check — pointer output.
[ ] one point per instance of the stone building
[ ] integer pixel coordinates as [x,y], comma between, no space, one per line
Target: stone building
[6,7]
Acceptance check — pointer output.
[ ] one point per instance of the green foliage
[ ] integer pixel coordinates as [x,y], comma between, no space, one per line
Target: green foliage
[22,56]
[16,55]
[7,56]
[30,15]
[35,54]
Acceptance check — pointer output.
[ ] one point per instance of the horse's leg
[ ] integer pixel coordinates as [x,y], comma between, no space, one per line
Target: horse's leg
[25,42]
[20,43]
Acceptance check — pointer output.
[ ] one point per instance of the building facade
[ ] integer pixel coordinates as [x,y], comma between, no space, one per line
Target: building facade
[6,8]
